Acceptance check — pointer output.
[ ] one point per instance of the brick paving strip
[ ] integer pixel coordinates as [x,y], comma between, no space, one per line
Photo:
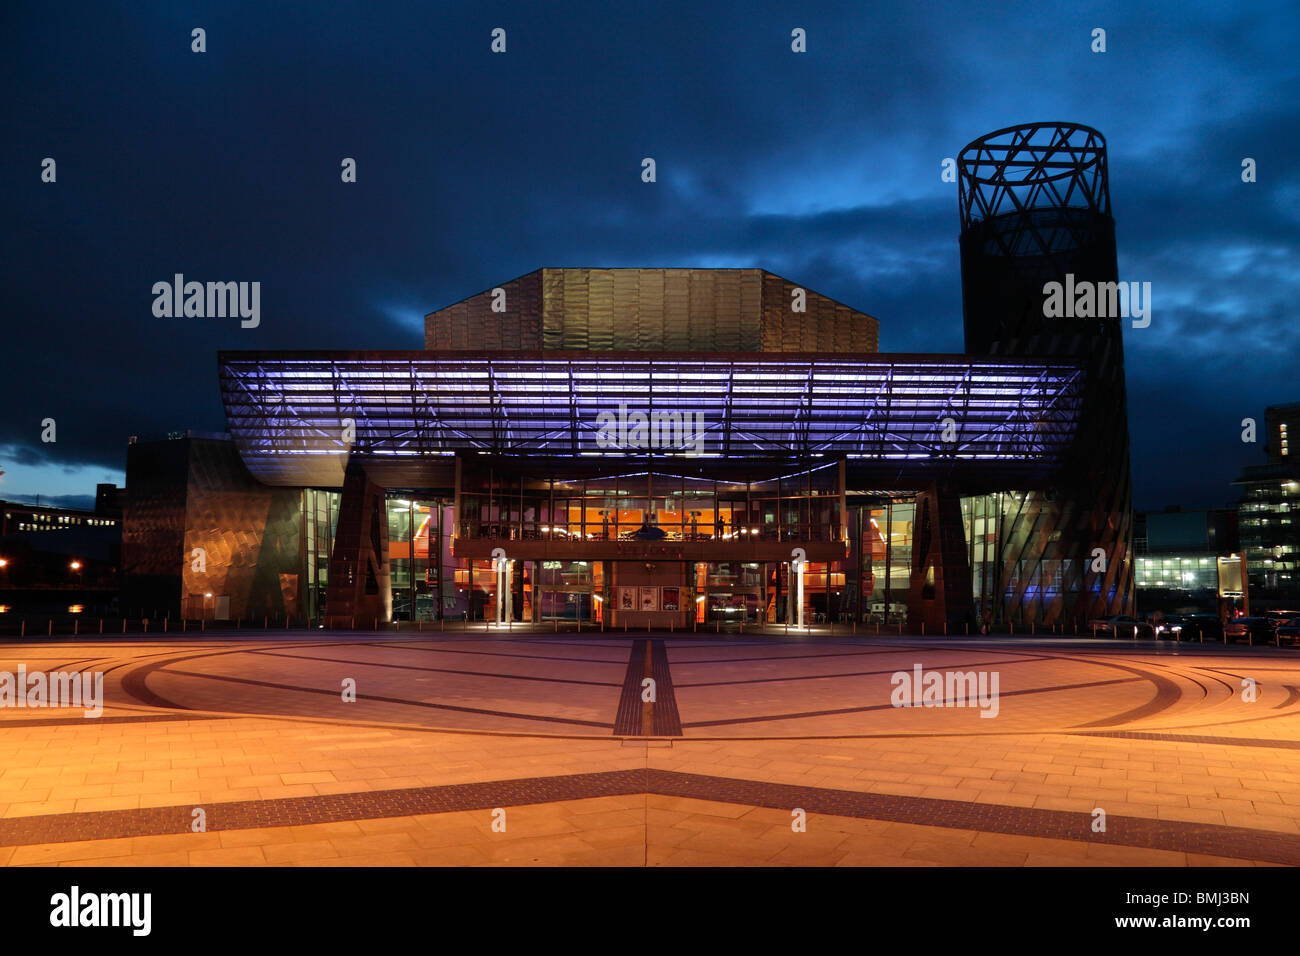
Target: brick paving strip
[1191,738]
[667,722]
[628,718]
[1223,841]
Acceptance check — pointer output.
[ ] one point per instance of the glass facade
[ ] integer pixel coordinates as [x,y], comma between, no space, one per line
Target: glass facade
[513,507]
[1270,535]
[416,545]
[884,554]
[320,517]
[1181,572]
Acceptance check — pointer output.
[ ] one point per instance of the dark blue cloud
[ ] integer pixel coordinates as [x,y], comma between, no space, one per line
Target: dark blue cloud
[475,168]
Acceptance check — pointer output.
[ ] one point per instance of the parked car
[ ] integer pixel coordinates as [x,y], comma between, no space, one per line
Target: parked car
[1254,630]
[1168,627]
[1120,625]
[1201,627]
[1289,631]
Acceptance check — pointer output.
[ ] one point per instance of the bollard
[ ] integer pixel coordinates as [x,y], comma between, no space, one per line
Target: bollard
[557,625]
[923,628]
[717,627]
[442,624]
[165,620]
[75,622]
[945,627]
[145,625]
[203,624]
[23,633]
[184,624]
[123,625]
[1033,628]
[51,630]
[101,625]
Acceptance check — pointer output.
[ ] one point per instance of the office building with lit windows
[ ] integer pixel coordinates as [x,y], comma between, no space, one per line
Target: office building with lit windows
[656,447]
[1268,514]
[1177,557]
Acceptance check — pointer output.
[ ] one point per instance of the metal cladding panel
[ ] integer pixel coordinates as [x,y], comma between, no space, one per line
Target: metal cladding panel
[703,310]
[247,532]
[824,326]
[287,411]
[471,324]
[193,494]
[153,524]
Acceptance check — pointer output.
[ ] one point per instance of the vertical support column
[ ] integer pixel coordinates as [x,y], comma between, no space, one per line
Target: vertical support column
[507,573]
[940,586]
[798,582]
[359,580]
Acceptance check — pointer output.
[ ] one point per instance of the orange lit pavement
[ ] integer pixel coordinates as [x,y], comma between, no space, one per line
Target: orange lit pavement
[445,731]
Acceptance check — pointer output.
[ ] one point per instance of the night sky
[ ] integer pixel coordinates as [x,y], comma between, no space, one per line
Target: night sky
[474,167]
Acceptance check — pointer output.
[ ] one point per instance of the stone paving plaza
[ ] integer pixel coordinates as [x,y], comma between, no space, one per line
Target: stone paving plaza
[551,732]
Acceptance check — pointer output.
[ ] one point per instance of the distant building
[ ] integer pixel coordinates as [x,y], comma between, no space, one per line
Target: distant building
[55,560]
[1267,514]
[110,500]
[1177,556]
[65,531]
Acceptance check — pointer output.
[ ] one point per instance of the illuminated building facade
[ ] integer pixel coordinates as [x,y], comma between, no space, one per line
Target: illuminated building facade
[1268,514]
[662,447]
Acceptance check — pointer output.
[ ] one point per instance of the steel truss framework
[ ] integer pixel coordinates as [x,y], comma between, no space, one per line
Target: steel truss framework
[1020,170]
[288,411]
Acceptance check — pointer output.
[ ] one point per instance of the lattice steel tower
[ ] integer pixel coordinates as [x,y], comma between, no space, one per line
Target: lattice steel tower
[1035,207]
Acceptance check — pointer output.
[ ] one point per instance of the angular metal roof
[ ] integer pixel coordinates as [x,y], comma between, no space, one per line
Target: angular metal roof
[289,412]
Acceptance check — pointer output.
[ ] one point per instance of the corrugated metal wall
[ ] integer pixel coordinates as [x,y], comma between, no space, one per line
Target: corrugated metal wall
[709,310]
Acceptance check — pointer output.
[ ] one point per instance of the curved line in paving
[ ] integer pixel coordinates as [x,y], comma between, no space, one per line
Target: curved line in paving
[135,682]
[870,707]
[524,657]
[799,677]
[393,700]
[440,670]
